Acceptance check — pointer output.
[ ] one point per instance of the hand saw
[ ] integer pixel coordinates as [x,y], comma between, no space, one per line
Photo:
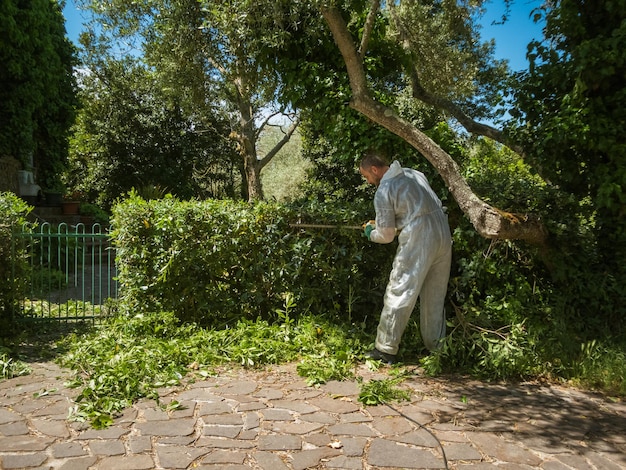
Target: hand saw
[329,226]
[351,227]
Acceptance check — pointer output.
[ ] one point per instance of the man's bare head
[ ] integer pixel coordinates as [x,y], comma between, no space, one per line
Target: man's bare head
[373,166]
[373,158]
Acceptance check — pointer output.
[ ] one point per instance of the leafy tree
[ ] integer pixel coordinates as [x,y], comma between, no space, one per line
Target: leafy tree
[37,88]
[131,134]
[408,65]
[376,101]
[201,42]
[571,109]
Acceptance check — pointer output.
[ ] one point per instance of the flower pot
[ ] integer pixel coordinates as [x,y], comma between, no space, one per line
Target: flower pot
[70,207]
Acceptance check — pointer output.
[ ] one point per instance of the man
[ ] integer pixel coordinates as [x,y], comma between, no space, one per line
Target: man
[406,204]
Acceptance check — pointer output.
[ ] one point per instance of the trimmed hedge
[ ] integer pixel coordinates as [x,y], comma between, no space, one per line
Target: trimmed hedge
[217,260]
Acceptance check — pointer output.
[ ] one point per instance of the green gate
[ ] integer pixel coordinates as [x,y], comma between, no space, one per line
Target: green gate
[72,273]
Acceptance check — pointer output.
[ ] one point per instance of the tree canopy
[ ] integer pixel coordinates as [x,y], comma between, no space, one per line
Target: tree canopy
[403,66]
[131,133]
[216,55]
[570,114]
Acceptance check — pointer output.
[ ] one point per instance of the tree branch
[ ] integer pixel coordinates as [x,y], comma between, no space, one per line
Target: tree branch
[488,221]
[265,123]
[420,93]
[272,153]
[343,39]
[268,118]
[472,126]
[367,29]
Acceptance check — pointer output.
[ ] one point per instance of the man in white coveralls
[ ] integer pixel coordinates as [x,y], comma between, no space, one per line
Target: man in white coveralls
[405,204]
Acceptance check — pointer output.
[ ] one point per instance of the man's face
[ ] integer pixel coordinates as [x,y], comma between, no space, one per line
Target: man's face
[372,175]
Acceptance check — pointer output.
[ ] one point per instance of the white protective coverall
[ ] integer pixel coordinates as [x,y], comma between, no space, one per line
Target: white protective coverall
[405,202]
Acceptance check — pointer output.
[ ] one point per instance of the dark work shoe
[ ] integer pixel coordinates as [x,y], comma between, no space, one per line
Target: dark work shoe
[381,356]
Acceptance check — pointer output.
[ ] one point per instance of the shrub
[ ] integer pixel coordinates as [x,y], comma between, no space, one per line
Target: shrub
[13,265]
[212,261]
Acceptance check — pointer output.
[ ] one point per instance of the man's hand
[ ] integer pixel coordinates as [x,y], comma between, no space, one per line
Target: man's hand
[368,227]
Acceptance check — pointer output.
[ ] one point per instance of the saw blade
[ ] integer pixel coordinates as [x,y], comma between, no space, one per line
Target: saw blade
[327,226]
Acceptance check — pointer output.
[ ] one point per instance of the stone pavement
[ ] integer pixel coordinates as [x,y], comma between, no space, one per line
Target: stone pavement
[270,419]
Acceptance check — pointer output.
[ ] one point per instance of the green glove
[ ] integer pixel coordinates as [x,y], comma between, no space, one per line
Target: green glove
[367,230]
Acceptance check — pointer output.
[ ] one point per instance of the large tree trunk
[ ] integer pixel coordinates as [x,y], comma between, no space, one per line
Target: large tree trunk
[247,135]
[252,163]
[488,221]
[253,178]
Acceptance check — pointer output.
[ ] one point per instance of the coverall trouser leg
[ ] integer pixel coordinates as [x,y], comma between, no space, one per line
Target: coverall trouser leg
[421,268]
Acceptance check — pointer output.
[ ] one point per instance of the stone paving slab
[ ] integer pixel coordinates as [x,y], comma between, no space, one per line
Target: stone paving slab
[270,419]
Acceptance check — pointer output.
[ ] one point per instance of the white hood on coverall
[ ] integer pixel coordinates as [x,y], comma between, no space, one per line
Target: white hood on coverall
[404,202]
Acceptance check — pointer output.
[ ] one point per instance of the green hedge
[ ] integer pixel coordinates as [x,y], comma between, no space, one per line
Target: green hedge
[13,272]
[213,261]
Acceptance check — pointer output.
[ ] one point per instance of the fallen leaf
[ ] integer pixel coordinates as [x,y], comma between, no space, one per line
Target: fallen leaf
[335,444]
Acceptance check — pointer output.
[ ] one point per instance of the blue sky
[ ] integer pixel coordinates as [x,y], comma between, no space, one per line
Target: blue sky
[73,20]
[511,38]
